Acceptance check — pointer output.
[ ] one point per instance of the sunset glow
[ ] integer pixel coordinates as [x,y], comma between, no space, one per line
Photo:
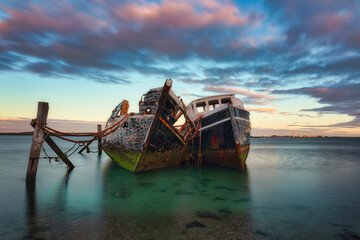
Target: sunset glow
[295,65]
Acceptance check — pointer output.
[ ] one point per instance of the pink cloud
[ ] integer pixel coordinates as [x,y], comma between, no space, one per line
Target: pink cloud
[296,114]
[14,119]
[320,90]
[184,14]
[326,23]
[65,19]
[248,93]
[262,110]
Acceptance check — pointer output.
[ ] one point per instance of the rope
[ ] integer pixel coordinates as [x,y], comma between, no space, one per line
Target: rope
[68,153]
[197,130]
[79,145]
[57,159]
[84,134]
[48,157]
[98,135]
[70,148]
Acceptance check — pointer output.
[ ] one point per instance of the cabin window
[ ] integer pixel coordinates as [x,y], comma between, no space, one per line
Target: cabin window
[213,104]
[225,100]
[242,113]
[201,107]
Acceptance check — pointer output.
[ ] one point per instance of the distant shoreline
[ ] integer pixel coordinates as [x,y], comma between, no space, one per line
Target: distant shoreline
[18,133]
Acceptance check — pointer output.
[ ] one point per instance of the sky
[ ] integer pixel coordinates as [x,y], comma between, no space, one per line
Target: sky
[294,64]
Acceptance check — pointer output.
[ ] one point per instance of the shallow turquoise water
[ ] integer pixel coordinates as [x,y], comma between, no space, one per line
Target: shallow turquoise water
[292,189]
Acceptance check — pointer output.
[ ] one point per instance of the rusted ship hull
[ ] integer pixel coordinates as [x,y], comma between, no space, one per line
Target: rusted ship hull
[163,148]
[225,138]
[149,140]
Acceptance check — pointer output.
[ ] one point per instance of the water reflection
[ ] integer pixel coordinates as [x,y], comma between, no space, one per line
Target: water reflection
[37,222]
[32,221]
[292,191]
[176,202]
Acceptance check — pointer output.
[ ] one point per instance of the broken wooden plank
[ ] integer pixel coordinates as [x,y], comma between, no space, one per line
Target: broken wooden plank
[58,151]
[88,144]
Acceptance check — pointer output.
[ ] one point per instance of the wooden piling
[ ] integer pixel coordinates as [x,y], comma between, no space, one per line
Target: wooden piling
[99,140]
[37,140]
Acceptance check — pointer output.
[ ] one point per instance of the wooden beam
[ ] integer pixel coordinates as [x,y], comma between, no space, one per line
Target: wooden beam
[37,140]
[178,115]
[58,151]
[182,108]
[99,140]
[88,144]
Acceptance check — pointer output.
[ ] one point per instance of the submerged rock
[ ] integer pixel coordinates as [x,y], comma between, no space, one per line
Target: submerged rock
[146,184]
[224,210]
[225,188]
[44,228]
[218,199]
[241,200]
[182,192]
[207,214]
[122,194]
[195,224]
[347,234]
[205,194]
[262,233]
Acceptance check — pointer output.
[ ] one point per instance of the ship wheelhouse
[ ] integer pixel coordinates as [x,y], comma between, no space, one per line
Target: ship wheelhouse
[205,106]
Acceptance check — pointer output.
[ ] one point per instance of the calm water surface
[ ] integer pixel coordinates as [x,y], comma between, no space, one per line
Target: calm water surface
[292,189]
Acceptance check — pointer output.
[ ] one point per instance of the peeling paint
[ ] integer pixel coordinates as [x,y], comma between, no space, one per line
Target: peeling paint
[148,140]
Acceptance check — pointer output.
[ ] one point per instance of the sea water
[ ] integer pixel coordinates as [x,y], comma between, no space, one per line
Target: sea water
[293,188]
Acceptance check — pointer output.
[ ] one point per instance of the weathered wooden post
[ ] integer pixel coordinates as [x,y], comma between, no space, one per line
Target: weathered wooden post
[99,140]
[37,140]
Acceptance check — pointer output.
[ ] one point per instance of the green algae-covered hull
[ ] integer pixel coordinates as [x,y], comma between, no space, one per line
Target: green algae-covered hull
[164,149]
[148,140]
[126,159]
[137,161]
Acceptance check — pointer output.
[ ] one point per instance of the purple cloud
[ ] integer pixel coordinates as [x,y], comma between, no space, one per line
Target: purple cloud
[102,36]
[284,42]
[329,21]
[339,98]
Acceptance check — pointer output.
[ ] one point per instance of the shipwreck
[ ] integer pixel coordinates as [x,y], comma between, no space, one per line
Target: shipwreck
[148,139]
[216,130]
[224,134]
